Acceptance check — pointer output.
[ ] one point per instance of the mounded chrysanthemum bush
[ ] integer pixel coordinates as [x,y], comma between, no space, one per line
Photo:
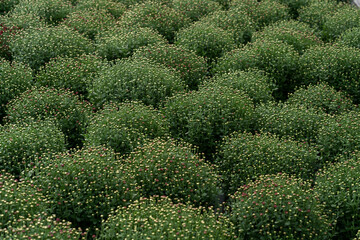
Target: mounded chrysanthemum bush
[298,34]
[298,122]
[15,79]
[173,169]
[160,218]
[256,83]
[61,105]
[23,144]
[350,37]
[7,33]
[278,59]
[120,42]
[338,186]
[206,40]
[74,73]
[195,9]
[156,15]
[278,207]
[205,116]
[85,185]
[36,46]
[322,97]
[339,135]
[124,126]
[135,79]
[242,157]
[114,7]
[192,68]
[338,65]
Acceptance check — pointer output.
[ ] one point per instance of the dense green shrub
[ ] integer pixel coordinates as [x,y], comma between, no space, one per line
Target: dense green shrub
[160,218]
[350,37]
[124,126]
[335,24]
[61,105]
[236,21]
[337,65]
[90,22]
[289,120]
[243,157]
[18,199]
[6,34]
[22,20]
[160,17]
[278,59]
[83,186]
[323,97]
[52,11]
[262,12]
[165,167]
[114,7]
[254,82]
[122,42]
[74,73]
[295,6]
[278,207]
[204,117]
[22,144]
[192,68]
[135,79]
[7,5]
[15,78]
[195,9]
[338,186]
[295,33]
[316,11]
[40,226]
[339,135]
[205,40]
[36,46]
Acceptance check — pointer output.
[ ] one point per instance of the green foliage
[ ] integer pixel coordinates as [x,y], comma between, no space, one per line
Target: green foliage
[278,59]
[114,7]
[342,19]
[124,126]
[122,42]
[205,116]
[298,122]
[74,73]
[243,157]
[192,68]
[235,20]
[135,79]
[160,218]
[18,200]
[165,167]
[14,79]
[350,37]
[254,82]
[295,33]
[339,135]
[338,186]
[7,5]
[205,40]
[156,15]
[337,65]
[84,186]
[22,20]
[316,11]
[90,22]
[40,226]
[23,144]
[61,105]
[278,207]
[295,6]
[36,46]
[195,9]
[263,12]
[323,97]
[52,11]
[6,34]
